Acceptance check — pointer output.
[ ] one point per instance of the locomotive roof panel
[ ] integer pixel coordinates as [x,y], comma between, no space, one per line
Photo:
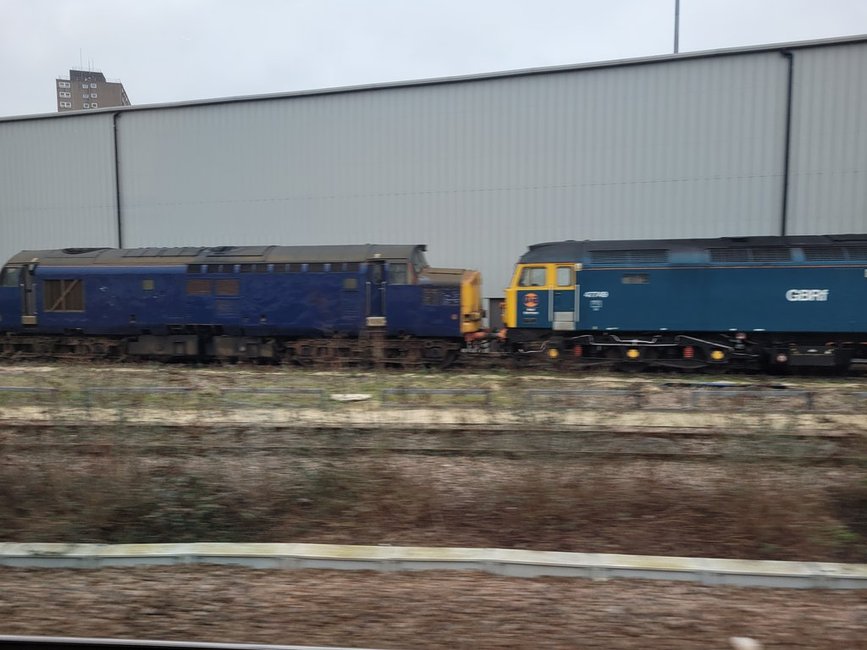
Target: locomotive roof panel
[724,249]
[217,254]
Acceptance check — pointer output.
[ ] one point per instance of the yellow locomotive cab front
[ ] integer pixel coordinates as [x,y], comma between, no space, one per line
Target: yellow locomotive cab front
[472,311]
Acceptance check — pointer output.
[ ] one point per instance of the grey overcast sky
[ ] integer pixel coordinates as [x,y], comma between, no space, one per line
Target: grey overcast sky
[179,50]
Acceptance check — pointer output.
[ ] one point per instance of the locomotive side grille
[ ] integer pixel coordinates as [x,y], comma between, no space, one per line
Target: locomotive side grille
[747,255]
[771,254]
[650,256]
[198,287]
[228,287]
[64,295]
[729,255]
[432,296]
[857,252]
[824,253]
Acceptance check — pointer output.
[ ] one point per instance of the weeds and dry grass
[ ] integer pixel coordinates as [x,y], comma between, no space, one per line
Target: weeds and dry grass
[791,513]
[734,509]
[506,386]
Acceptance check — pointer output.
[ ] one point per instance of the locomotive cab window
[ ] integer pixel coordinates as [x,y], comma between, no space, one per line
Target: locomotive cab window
[565,276]
[419,261]
[397,273]
[533,276]
[64,295]
[10,277]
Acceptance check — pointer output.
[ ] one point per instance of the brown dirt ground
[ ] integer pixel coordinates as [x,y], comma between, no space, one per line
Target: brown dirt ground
[419,610]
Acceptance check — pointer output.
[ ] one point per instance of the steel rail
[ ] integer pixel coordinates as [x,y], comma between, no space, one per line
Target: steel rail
[837,459]
[79,643]
[505,562]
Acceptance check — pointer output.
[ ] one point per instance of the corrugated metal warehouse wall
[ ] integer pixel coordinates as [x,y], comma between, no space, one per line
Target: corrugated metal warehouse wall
[686,146]
[829,141]
[57,184]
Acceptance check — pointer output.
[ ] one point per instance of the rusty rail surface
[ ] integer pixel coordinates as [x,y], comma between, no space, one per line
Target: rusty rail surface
[80,643]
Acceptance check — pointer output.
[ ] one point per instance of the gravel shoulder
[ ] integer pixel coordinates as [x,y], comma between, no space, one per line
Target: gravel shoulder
[448,609]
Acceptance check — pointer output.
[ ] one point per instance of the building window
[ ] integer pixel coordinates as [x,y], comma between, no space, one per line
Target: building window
[65,105]
[86,105]
[64,295]
[63,84]
[64,93]
[94,105]
[93,85]
[84,85]
[93,95]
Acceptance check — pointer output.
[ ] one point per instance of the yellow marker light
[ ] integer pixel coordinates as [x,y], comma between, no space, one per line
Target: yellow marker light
[633,353]
[553,353]
[717,355]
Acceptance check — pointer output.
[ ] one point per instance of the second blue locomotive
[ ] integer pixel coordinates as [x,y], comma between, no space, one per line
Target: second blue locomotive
[757,301]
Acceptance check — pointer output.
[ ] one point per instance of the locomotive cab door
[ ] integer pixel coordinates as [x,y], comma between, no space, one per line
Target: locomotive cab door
[533,297]
[28,294]
[564,298]
[375,293]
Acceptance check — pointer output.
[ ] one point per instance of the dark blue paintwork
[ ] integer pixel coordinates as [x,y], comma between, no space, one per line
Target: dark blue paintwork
[533,308]
[264,304]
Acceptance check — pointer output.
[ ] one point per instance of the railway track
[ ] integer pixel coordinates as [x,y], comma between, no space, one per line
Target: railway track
[401,355]
[89,439]
[84,643]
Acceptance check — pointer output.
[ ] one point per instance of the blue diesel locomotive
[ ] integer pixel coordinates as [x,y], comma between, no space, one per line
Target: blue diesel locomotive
[768,302]
[346,304]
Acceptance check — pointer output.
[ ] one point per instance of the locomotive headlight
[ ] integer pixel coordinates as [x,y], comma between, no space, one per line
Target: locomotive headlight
[717,355]
[633,353]
[553,353]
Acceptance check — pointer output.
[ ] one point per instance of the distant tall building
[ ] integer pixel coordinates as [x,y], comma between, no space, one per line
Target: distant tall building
[86,90]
